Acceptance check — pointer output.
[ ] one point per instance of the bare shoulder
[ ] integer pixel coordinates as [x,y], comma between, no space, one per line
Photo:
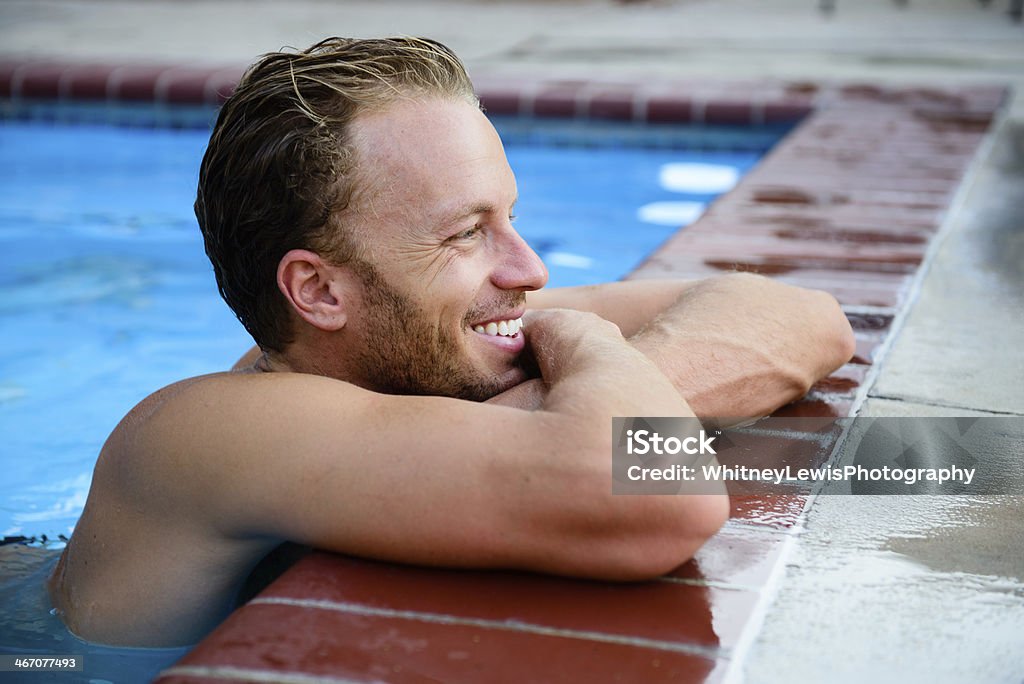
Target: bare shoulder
[190,454]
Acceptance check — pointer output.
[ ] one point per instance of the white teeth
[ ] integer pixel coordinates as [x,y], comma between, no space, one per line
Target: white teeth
[507,328]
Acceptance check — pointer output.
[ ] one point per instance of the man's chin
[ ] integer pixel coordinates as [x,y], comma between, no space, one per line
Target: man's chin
[494,385]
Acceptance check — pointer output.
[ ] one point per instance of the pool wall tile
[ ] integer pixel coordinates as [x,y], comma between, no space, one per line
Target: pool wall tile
[616,105]
[85,82]
[135,83]
[559,101]
[39,80]
[847,202]
[280,641]
[646,611]
[736,113]
[668,109]
[221,84]
[784,111]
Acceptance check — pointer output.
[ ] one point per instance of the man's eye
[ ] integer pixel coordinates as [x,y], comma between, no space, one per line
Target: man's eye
[466,234]
[512,218]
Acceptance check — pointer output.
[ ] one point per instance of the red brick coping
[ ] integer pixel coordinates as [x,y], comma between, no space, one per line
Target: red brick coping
[848,202]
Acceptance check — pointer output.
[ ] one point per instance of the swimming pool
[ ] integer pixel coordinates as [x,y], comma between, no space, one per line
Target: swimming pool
[106,294]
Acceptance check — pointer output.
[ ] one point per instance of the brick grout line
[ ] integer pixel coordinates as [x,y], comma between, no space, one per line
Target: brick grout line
[114,80]
[64,82]
[162,83]
[499,625]
[711,584]
[243,674]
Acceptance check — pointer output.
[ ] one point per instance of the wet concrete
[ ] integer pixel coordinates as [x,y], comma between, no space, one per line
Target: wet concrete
[960,345]
[887,588]
[911,588]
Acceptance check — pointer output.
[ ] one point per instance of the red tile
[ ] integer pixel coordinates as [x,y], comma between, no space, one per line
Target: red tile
[87,82]
[135,83]
[876,294]
[787,111]
[8,67]
[647,610]
[39,80]
[559,101]
[781,265]
[849,233]
[737,113]
[669,109]
[221,84]
[817,407]
[754,449]
[843,382]
[877,289]
[183,86]
[823,177]
[720,247]
[497,101]
[275,639]
[869,321]
[617,105]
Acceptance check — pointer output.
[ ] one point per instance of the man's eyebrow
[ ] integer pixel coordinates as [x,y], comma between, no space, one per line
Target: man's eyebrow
[472,210]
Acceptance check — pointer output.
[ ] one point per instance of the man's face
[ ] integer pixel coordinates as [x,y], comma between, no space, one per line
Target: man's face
[443,265]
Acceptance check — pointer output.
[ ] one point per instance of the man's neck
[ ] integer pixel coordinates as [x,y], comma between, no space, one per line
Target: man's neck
[293,361]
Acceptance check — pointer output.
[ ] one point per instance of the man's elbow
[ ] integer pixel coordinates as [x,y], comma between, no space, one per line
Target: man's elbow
[658,540]
[676,541]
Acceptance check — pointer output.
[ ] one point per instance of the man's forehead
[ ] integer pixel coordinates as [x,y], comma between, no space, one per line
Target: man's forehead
[433,130]
[442,157]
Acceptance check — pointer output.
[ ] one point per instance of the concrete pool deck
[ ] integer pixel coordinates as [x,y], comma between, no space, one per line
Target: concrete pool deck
[956,350]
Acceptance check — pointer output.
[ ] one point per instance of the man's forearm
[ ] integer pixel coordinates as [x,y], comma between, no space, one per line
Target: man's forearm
[629,304]
[741,346]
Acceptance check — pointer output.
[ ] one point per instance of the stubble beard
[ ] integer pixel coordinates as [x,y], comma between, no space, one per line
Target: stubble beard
[404,353]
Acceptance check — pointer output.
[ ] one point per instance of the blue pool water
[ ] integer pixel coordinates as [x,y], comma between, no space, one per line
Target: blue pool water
[106,294]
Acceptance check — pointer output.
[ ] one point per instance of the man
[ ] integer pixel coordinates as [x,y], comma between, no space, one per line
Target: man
[409,400]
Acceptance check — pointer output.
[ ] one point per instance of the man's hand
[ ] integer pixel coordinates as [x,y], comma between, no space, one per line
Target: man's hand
[565,342]
[736,346]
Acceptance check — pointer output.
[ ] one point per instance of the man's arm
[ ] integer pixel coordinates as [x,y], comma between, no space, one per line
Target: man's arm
[429,480]
[629,304]
[736,346]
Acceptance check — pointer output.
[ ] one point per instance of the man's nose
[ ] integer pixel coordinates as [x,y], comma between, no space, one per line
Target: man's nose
[521,268]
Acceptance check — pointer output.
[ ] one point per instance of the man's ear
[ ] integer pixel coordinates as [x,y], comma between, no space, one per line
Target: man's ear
[316,290]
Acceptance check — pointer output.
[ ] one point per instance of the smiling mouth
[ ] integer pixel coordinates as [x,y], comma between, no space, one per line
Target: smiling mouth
[506,328]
